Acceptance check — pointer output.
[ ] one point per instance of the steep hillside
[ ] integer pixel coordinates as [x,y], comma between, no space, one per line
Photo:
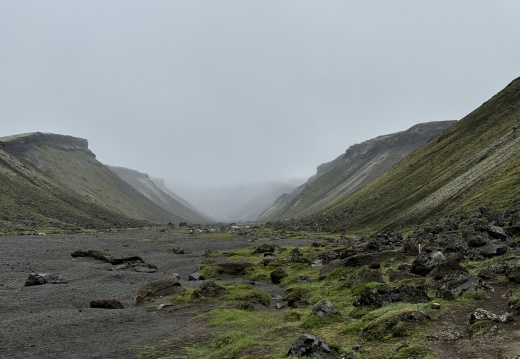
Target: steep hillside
[68,161]
[360,164]
[30,201]
[151,190]
[475,163]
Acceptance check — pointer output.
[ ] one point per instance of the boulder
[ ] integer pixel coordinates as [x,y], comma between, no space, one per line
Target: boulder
[269,258]
[195,276]
[492,249]
[235,268]
[159,288]
[44,278]
[389,294]
[410,248]
[477,241]
[278,274]
[497,232]
[368,275]
[324,309]
[358,260]
[446,269]
[311,346]
[295,256]
[493,269]
[481,314]
[106,304]
[425,263]
[264,248]
[208,289]
[459,286]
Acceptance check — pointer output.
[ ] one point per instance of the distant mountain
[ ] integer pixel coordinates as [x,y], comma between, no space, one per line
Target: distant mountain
[68,163]
[156,191]
[359,165]
[473,164]
[235,203]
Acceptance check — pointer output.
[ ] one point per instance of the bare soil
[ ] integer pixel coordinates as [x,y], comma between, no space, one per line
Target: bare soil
[450,336]
[55,320]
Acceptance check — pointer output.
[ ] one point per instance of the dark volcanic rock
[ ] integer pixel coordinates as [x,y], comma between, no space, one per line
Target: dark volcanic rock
[106,304]
[398,274]
[492,250]
[324,309]
[425,263]
[264,248]
[159,288]
[462,285]
[368,275]
[477,241]
[497,232]
[195,276]
[208,289]
[44,278]
[311,346]
[234,267]
[278,274]
[388,294]
[358,260]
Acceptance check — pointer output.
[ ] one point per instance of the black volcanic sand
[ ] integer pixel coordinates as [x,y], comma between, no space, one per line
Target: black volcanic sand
[55,320]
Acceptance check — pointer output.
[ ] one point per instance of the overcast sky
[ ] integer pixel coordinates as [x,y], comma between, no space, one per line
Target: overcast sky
[228,91]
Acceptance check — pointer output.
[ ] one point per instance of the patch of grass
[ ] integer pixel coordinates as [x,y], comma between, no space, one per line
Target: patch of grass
[415,352]
[342,272]
[364,287]
[480,327]
[313,321]
[246,292]
[353,328]
[142,350]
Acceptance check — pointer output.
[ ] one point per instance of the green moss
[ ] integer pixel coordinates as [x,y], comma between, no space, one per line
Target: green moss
[341,272]
[414,351]
[313,321]
[364,287]
[480,327]
[353,328]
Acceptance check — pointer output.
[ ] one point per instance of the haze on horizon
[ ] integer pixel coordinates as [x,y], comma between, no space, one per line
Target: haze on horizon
[214,93]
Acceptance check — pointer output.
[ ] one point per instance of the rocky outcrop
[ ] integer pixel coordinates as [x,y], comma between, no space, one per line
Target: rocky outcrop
[159,288]
[311,346]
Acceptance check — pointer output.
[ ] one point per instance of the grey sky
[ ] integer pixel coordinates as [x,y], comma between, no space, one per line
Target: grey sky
[228,91]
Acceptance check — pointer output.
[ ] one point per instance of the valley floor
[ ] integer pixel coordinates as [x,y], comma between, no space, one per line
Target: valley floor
[55,320]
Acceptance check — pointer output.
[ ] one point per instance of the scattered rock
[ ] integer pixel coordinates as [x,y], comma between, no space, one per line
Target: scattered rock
[491,250]
[195,276]
[435,306]
[246,306]
[347,356]
[324,309]
[477,241]
[264,248]
[278,274]
[459,286]
[304,279]
[368,275]
[234,268]
[317,263]
[425,263]
[311,346]
[295,256]
[389,294]
[481,314]
[44,278]
[106,304]
[176,250]
[159,288]
[497,232]
[118,263]
[208,289]
[269,258]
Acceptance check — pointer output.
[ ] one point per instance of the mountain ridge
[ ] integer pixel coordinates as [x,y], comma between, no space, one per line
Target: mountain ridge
[358,165]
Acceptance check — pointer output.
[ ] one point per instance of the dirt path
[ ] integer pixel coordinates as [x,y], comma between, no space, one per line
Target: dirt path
[55,321]
[450,338]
